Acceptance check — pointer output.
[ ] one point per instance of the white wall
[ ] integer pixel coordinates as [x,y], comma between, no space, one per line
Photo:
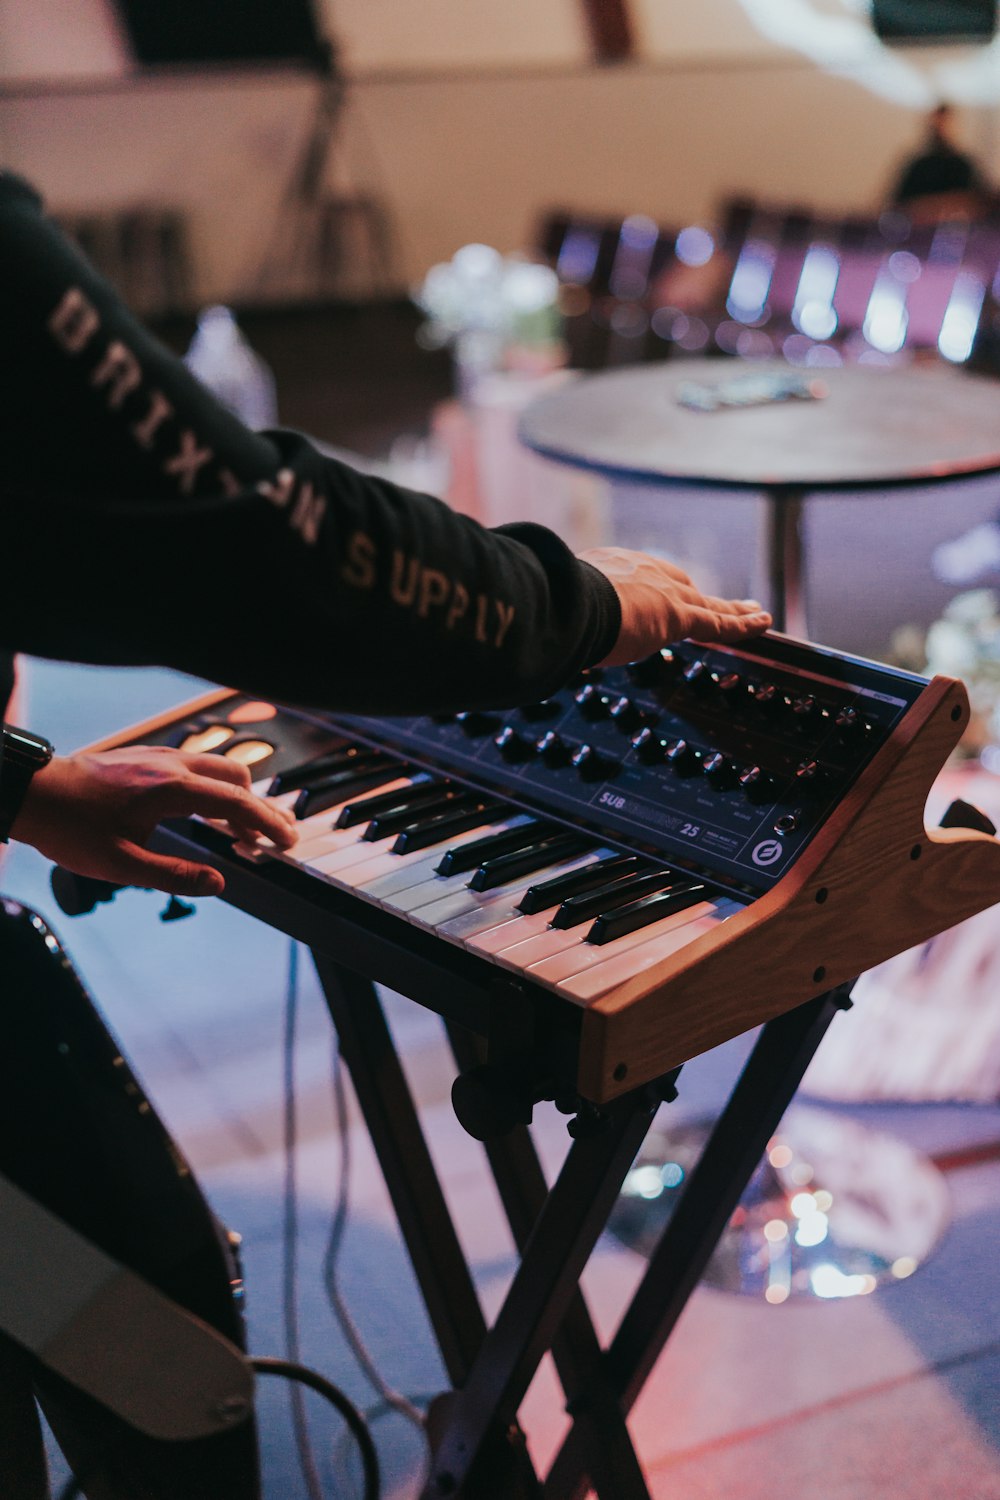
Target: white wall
[467,117]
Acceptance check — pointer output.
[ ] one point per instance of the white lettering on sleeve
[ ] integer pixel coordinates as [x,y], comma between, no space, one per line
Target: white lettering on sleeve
[187,461]
[75,321]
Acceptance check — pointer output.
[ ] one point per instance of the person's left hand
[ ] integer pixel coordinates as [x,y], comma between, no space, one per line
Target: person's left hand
[94,813]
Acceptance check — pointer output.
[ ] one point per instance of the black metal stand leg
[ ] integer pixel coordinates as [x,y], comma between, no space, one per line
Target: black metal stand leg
[761,1096]
[575,1212]
[612,1463]
[424,1219]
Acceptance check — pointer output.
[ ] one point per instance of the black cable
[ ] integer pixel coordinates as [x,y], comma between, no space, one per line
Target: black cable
[307,1461]
[349,1412]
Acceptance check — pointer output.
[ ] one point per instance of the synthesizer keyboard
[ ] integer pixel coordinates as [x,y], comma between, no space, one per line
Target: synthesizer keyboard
[655,858]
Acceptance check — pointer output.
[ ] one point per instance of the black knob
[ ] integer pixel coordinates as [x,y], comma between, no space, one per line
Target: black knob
[554,750]
[592,703]
[648,746]
[757,784]
[656,670]
[589,674]
[805,711]
[810,776]
[628,716]
[547,708]
[593,765]
[719,770]
[732,690]
[682,757]
[850,725]
[698,676]
[475,724]
[769,698]
[513,746]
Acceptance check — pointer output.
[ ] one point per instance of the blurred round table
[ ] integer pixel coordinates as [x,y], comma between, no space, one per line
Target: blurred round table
[854,428]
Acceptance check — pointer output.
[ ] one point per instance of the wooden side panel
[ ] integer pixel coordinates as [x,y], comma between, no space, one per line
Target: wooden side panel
[873,883]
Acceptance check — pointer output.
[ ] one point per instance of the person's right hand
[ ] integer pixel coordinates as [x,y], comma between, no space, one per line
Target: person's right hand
[94,813]
[659,603]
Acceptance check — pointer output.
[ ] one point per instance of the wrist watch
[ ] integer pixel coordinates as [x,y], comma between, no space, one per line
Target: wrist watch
[21,755]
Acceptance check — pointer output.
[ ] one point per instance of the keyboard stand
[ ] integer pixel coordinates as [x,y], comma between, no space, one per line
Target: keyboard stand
[478,1448]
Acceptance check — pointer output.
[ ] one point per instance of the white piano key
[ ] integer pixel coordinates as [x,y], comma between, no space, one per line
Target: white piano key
[484,909]
[565,963]
[462,902]
[540,944]
[511,926]
[320,826]
[361,874]
[417,868]
[336,861]
[596,981]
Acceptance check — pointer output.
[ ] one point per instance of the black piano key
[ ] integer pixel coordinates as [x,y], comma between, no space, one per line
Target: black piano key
[593,903]
[471,855]
[335,788]
[424,788]
[396,820]
[561,887]
[536,856]
[310,771]
[644,912]
[440,826]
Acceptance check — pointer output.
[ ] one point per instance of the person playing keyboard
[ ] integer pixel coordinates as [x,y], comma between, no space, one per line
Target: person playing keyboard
[143,523]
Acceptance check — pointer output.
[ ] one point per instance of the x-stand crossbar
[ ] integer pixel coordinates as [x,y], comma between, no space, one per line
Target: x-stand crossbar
[478,1448]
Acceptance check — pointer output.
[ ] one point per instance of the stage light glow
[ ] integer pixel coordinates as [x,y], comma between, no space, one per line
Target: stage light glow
[961,318]
[751,281]
[812,310]
[577,256]
[779,1156]
[644,1182]
[904,265]
[830,1281]
[812,1229]
[885,319]
[694,246]
[775,1230]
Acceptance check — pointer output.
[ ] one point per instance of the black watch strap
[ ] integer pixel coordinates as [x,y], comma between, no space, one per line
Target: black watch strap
[21,755]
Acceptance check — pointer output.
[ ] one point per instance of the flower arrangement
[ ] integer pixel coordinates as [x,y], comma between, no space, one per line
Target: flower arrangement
[496,311]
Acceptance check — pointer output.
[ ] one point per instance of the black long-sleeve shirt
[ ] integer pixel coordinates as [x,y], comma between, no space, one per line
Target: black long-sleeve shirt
[142,523]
